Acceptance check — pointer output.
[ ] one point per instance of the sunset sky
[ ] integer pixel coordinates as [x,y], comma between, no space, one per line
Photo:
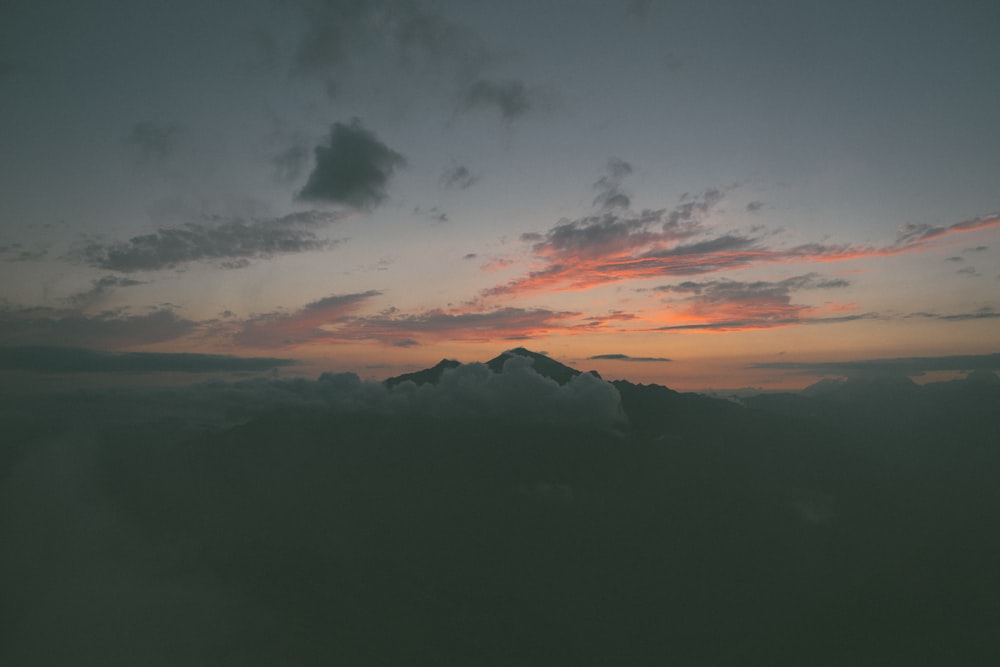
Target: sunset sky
[700,194]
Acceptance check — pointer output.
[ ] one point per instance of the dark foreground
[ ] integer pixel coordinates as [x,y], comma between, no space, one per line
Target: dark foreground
[847,529]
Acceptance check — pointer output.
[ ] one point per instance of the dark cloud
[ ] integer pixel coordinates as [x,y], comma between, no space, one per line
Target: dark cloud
[694,208]
[978,248]
[18,252]
[985,313]
[214,239]
[910,366]
[738,290]
[610,193]
[107,330]
[968,271]
[755,207]
[511,97]
[624,357]
[154,141]
[352,168]
[459,178]
[100,289]
[955,259]
[913,233]
[470,255]
[47,359]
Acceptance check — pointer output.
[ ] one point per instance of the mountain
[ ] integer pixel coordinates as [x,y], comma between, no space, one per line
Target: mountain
[427,376]
[543,365]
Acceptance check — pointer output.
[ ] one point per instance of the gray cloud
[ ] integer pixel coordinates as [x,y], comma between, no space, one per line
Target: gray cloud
[624,357]
[336,30]
[48,359]
[353,168]
[153,141]
[18,252]
[459,178]
[107,330]
[214,239]
[100,289]
[911,366]
[739,290]
[755,207]
[640,9]
[610,194]
[510,97]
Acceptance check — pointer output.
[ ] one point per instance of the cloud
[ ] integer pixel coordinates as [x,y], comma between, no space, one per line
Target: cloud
[336,30]
[302,326]
[153,142]
[391,326]
[433,213]
[18,252]
[107,330]
[613,247]
[625,357]
[214,239]
[755,207]
[640,9]
[352,168]
[610,194]
[910,366]
[510,97]
[100,289]
[471,390]
[49,359]
[984,313]
[913,234]
[458,178]
[726,305]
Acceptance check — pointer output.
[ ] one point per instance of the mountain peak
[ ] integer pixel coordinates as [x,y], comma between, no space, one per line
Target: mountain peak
[426,376]
[543,365]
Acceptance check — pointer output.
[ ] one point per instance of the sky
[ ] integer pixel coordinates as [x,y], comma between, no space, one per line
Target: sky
[698,194]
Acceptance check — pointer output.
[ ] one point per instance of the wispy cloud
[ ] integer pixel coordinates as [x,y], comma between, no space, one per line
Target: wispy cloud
[912,366]
[277,329]
[614,247]
[487,325]
[729,304]
[213,239]
[625,357]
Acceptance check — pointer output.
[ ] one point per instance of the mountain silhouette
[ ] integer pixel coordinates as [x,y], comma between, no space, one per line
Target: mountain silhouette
[427,376]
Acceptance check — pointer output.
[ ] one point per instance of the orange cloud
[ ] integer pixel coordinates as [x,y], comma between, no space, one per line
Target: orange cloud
[608,249]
